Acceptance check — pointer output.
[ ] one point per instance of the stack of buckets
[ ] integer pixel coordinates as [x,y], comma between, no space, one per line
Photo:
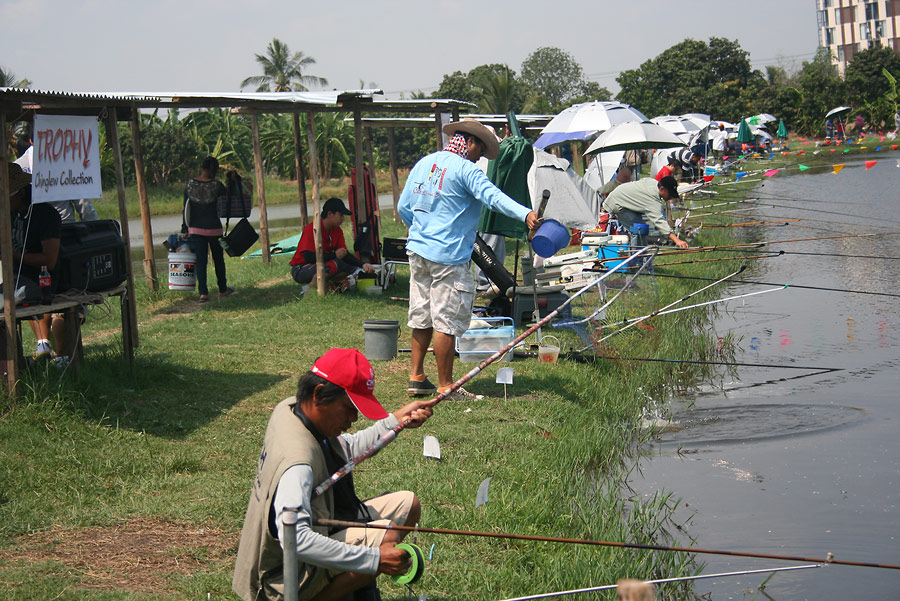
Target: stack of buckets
[182,262]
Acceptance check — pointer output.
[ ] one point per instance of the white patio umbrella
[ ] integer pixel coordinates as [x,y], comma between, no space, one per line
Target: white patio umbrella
[837,111]
[585,121]
[761,119]
[633,136]
[682,128]
[698,119]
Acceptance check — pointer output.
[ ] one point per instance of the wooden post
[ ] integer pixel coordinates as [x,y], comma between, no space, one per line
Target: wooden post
[301,178]
[317,221]
[10,342]
[129,307]
[455,113]
[358,159]
[260,191]
[395,181]
[576,157]
[437,129]
[149,263]
[371,156]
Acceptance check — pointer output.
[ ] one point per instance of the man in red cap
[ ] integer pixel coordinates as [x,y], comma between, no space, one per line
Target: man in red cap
[303,446]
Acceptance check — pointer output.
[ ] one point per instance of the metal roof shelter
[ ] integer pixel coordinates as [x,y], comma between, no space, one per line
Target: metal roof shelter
[527,124]
[17,104]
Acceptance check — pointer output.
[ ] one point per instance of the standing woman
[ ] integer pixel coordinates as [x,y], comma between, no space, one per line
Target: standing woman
[201,222]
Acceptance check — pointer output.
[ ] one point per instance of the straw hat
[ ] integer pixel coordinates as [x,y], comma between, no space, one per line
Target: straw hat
[18,179]
[471,126]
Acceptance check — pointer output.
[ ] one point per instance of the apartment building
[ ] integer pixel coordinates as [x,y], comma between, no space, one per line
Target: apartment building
[849,26]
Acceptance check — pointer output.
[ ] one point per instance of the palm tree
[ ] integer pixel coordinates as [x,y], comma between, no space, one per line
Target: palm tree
[283,71]
[8,80]
[498,92]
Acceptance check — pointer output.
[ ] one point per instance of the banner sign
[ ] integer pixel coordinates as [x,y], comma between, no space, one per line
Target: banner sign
[65,159]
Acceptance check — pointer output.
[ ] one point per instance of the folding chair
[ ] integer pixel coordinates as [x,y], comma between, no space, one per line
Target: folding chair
[393,253]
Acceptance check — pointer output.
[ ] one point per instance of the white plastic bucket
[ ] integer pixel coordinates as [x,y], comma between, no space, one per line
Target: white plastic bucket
[181,270]
[548,352]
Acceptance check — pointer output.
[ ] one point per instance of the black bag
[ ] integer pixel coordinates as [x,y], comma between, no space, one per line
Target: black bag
[239,239]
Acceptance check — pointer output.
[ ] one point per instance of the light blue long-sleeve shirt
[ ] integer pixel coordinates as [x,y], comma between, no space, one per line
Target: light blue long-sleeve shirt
[441,204]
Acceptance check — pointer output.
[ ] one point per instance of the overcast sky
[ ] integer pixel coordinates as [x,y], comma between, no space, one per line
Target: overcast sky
[402,46]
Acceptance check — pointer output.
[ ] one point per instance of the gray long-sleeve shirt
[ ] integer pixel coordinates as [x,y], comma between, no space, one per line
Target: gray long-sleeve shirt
[295,490]
[641,197]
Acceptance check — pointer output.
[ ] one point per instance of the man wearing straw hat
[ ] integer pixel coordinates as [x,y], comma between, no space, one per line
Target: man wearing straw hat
[441,204]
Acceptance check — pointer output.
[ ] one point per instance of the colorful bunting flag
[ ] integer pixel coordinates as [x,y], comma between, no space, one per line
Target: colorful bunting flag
[882,139]
[833,149]
[803,167]
[738,176]
[846,150]
[806,143]
[893,146]
[708,178]
[771,172]
[817,152]
[837,168]
[799,152]
[870,164]
[877,149]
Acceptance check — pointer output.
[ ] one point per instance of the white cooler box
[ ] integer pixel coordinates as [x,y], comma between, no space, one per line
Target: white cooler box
[478,344]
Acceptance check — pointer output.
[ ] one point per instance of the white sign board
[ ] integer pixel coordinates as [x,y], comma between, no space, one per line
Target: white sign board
[66,158]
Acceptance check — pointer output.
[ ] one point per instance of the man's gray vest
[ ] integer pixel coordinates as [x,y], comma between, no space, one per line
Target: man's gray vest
[258,569]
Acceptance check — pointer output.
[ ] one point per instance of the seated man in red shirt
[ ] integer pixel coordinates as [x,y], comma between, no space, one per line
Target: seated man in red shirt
[339,263]
[673,168]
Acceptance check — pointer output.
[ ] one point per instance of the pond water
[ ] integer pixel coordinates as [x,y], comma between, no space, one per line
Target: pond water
[797,462]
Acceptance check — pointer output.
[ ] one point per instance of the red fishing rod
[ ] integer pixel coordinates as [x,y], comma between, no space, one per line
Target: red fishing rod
[828,559]
[648,253]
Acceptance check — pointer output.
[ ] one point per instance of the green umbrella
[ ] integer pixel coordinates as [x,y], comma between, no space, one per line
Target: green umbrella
[782,130]
[744,133]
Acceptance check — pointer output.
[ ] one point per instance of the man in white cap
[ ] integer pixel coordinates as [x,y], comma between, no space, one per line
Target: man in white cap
[303,446]
[441,204]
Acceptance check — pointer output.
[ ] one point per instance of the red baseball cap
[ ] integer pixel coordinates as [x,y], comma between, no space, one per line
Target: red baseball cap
[349,369]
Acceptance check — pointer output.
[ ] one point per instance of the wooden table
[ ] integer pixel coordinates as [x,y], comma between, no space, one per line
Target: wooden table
[70,306]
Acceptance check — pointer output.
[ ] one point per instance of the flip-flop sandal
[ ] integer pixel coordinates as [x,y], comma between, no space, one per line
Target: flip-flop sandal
[204,298]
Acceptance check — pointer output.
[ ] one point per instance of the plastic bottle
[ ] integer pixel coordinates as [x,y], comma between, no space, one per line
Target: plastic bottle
[45,283]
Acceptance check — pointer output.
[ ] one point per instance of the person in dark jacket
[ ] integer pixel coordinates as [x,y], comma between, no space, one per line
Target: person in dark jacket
[201,222]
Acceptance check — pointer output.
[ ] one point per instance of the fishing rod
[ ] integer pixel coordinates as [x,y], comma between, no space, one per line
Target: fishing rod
[664,309]
[648,252]
[607,587]
[742,257]
[822,288]
[770,242]
[720,363]
[752,223]
[628,322]
[829,559]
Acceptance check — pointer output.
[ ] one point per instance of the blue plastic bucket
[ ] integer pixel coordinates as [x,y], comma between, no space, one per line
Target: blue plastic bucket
[550,238]
[640,229]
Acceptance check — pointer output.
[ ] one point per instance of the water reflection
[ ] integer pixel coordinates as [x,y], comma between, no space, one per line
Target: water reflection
[788,461]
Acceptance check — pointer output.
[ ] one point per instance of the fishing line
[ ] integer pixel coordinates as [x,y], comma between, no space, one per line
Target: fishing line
[822,288]
[829,559]
[648,253]
[607,587]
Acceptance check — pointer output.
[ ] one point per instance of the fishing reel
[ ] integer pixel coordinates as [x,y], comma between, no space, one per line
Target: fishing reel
[417,565]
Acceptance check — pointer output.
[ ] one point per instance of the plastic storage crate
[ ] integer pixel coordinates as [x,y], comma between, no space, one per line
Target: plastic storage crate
[477,344]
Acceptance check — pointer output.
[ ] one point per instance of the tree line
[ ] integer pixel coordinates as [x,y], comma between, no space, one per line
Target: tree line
[713,77]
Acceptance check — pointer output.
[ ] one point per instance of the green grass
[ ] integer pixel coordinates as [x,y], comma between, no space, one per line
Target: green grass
[175,437]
